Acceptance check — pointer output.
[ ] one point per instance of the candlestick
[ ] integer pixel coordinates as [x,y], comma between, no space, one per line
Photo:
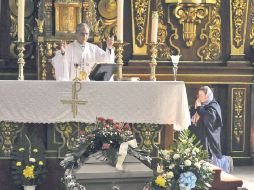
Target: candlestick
[21,60]
[21,20]
[154,27]
[153,62]
[120,4]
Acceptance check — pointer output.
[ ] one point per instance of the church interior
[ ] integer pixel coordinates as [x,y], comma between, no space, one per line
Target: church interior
[214,42]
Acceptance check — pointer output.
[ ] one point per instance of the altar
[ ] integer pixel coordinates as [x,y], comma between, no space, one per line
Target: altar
[162,102]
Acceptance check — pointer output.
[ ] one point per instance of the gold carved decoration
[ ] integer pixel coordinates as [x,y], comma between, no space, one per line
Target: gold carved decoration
[190,17]
[107,9]
[140,18]
[252,24]
[67,132]
[8,133]
[46,52]
[76,87]
[238,24]
[163,49]
[238,119]
[148,136]
[67,16]
[89,13]
[212,34]
[106,24]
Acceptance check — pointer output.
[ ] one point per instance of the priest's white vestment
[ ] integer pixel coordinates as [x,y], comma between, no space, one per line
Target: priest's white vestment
[86,55]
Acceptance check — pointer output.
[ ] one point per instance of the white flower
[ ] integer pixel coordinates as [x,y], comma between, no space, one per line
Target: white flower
[187,162]
[32,160]
[171,166]
[170,175]
[176,156]
[198,165]
[193,153]
[196,150]
[187,150]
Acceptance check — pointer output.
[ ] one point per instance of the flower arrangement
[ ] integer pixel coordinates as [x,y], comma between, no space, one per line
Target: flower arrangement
[183,165]
[106,136]
[28,164]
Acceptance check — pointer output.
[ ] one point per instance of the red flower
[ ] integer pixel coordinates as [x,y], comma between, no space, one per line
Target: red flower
[105,146]
[100,119]
[81,132]
[117,126]
[109,120]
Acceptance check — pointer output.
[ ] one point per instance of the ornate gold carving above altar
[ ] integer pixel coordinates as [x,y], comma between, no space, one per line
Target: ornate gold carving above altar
[140,19]
[238,119]
[8,133]
[195,16]
[211,50]
[238,24]
[106,23]
[189,18]
[67,16]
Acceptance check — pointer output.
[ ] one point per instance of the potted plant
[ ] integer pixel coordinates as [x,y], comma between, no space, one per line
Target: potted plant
[28,164]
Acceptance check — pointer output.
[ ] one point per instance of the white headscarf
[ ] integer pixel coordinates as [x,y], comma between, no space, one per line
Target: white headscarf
[209,94]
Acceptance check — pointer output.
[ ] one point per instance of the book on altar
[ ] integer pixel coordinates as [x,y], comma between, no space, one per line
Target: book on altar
[103,72]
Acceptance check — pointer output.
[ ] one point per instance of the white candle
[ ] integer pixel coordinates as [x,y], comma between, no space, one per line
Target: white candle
[154,27]
[120,20]
[21,20]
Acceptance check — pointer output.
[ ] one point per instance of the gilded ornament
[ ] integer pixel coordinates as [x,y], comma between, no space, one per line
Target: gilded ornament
[211,50]
[8,133]
[190,17]
[239,8]
[238,119]
[149,135]
[163,49]
[141,13]
[107,8]
[252,24]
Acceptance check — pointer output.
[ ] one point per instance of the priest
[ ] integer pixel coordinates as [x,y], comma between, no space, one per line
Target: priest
[78,58]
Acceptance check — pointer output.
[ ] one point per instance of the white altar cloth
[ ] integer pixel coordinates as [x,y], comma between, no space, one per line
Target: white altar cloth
[162,102]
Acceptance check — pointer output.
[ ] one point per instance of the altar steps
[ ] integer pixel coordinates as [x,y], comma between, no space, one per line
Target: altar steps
[225,181]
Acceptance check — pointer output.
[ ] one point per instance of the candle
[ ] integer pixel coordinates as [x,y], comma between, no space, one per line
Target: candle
[21,20]
[154,27]
[120,20]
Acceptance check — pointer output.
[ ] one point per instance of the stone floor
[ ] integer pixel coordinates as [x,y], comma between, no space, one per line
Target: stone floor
[246,173]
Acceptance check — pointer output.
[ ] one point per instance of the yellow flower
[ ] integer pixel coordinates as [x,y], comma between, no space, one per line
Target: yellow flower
[21,149]
[161,181]
[35,150]
[41,163]
[18,164]
[28,172]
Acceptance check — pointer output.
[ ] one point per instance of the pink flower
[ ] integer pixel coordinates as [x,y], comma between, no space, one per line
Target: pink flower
[105,146]
[127,126]
[106,126]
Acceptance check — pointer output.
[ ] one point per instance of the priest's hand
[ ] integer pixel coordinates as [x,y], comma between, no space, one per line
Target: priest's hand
[110,42]
[63,46]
